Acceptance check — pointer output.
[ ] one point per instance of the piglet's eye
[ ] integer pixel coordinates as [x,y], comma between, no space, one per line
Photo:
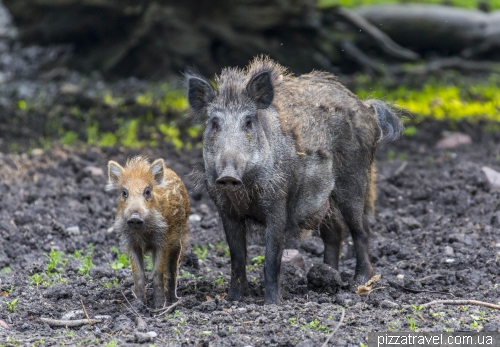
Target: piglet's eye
[248,123]
[124,194]
[147,193]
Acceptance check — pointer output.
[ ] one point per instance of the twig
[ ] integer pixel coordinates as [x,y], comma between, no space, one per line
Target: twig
[382,39]
[335,330]
[131,307]
[169,309]
[86,314]
[69,323]
[360,57]
[461,302]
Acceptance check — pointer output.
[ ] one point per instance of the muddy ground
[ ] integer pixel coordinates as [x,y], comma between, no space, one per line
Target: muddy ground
[435,236]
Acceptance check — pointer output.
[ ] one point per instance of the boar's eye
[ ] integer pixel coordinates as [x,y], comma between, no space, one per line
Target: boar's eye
[147,193]
[124,194]
[248,123]
[215,124]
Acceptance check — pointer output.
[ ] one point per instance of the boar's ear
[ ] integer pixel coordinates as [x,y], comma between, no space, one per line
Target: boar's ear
[260,88]
[115,171]
[200,93]
[158,171]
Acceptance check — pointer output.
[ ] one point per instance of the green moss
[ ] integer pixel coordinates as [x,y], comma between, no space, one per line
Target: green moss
[69,138]
[494,4]
[441,101]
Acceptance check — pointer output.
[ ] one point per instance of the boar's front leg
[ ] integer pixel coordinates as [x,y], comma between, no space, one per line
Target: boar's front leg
[137,262]
[237,242]
[275,239]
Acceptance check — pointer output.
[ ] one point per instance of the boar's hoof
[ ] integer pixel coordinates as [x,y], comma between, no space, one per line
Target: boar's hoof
[361,277]
[236,293]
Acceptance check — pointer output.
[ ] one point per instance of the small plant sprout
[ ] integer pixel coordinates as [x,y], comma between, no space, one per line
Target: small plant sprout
[200,251]
[35,279]
[12,306]
[413,323]
[219,281]
[122,261]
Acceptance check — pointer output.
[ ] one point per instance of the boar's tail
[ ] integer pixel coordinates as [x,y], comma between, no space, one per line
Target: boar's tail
[388,120]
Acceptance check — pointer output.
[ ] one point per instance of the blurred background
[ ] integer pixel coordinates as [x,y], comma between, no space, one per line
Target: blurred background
[108,73]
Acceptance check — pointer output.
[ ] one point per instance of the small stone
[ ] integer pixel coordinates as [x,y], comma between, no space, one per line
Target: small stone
[400,276]
[389,304]
[142,337]
[140,324]
[496,245]
[103,317]
[448,251]
[411,223]
[449,260]
[37,152]
[93,171]
[72,314]
[73,231]
[110,229]
[293,257]
[453,139]
[492,176]
[194,218]
[69,89]
[152,334]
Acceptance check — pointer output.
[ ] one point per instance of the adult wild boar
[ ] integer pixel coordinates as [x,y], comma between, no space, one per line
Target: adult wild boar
[285,153]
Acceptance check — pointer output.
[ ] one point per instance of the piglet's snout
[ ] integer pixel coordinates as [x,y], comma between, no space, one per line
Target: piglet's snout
[135,220]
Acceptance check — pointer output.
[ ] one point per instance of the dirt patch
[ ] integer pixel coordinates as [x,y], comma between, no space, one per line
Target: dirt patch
[435,236]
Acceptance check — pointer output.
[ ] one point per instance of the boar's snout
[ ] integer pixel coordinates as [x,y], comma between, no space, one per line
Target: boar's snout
[229,179]
[135,220]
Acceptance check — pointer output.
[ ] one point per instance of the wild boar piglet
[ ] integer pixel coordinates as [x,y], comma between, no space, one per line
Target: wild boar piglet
[152,213]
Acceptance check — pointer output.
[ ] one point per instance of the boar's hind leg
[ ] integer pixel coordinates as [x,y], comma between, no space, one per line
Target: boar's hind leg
[331,232]
[137,263]
[172,271]
[354,217]
[237,242]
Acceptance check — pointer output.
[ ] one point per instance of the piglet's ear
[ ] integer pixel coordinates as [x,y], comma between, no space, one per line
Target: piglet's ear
[200,93]
[115,171]
[261,90]
[158,171]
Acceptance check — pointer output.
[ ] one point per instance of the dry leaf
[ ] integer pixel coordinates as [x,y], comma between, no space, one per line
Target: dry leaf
[208,298]
[4,293]
[3,324]
[373,280]
[228,310]
[368,286]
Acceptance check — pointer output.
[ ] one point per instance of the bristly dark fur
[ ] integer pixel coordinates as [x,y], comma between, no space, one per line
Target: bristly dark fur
[389,122]
[281,153]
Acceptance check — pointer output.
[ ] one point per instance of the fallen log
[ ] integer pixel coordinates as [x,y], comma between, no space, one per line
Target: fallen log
[442,29]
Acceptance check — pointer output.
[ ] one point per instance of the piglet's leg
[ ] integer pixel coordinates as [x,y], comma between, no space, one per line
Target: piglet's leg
[173,260]
[159,268]
[137,262]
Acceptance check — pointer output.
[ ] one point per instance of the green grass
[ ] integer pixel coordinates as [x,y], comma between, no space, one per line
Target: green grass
[494,4]
[442,101]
